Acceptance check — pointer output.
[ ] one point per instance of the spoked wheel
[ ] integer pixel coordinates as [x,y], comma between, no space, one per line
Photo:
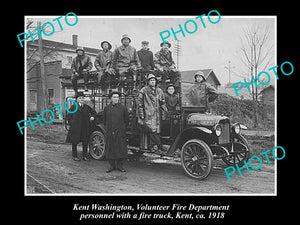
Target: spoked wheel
[97,145]
[196,158]
[240,152]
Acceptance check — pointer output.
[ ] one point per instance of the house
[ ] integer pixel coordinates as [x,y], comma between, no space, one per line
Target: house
[58,58]
[35,101]
[228,89]
[268,95]
[210,76]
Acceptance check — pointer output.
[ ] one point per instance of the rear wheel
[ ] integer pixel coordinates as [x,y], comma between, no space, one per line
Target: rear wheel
[97,145]
[196,158]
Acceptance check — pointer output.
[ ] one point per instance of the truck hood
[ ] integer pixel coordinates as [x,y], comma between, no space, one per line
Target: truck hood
[204,119]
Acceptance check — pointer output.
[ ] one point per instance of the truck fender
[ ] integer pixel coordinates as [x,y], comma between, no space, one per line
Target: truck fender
[203,131]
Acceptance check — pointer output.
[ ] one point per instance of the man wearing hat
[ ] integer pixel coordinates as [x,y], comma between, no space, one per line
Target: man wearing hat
[151,100]
[165,65]
[115,121]
[103,63]
[126,61]
[80,126]
[195,95]
[81,64]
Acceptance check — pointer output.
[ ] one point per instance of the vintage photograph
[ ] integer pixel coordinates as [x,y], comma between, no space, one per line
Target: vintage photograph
[150,105]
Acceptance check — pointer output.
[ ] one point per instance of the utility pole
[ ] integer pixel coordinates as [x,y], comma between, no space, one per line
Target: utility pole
[177,49]
[42,67]
[229,67]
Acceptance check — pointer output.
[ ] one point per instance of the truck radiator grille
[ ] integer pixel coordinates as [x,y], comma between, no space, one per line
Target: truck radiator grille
[225,135]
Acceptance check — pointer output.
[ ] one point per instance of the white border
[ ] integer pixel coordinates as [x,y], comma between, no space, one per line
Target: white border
[132,194]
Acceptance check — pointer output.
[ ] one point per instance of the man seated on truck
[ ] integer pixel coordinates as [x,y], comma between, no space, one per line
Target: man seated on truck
[165,65]
[126,62]
[81,65]
[103,64]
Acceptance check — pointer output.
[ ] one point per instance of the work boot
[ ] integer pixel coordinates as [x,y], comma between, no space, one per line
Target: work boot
[120,165]
[112,166]
[84,158]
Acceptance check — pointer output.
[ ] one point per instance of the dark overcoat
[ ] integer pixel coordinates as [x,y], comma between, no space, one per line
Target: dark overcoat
[146,58]
[115,121]
[80,125]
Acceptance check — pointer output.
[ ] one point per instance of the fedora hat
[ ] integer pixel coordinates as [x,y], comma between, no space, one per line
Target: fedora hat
[114,92]
[166,42]
[79,94]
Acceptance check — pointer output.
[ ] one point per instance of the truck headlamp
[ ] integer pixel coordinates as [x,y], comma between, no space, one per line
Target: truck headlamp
[237,128]
[218,130]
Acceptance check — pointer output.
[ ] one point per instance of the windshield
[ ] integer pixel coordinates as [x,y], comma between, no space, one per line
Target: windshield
[193,94]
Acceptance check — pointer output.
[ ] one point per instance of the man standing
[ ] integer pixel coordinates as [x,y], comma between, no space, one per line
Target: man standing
[126,61]
[81,64]
[115,121]
[80,126]
[151,100]
[201,89]
[103,63]
[165,65]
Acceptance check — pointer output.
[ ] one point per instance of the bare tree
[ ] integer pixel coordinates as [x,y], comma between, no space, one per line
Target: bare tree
[256,56]
[50,53]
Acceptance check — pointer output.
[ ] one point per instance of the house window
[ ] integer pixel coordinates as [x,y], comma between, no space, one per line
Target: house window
[32,100]
[51,96]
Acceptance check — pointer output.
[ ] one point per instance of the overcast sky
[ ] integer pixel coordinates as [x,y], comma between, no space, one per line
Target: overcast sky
[208,48]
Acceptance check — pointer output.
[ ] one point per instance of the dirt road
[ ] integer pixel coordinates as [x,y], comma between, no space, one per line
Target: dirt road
[50,169]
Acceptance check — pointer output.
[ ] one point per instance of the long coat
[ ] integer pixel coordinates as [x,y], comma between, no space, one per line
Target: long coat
[115,121]
[80,128]
[146,59]
[149,107]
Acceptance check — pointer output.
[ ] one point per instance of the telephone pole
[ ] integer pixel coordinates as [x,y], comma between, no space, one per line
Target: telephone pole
[177,49]
[42,71]
[229,67]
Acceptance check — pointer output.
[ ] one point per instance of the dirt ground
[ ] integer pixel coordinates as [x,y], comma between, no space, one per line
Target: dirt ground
[51,170]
